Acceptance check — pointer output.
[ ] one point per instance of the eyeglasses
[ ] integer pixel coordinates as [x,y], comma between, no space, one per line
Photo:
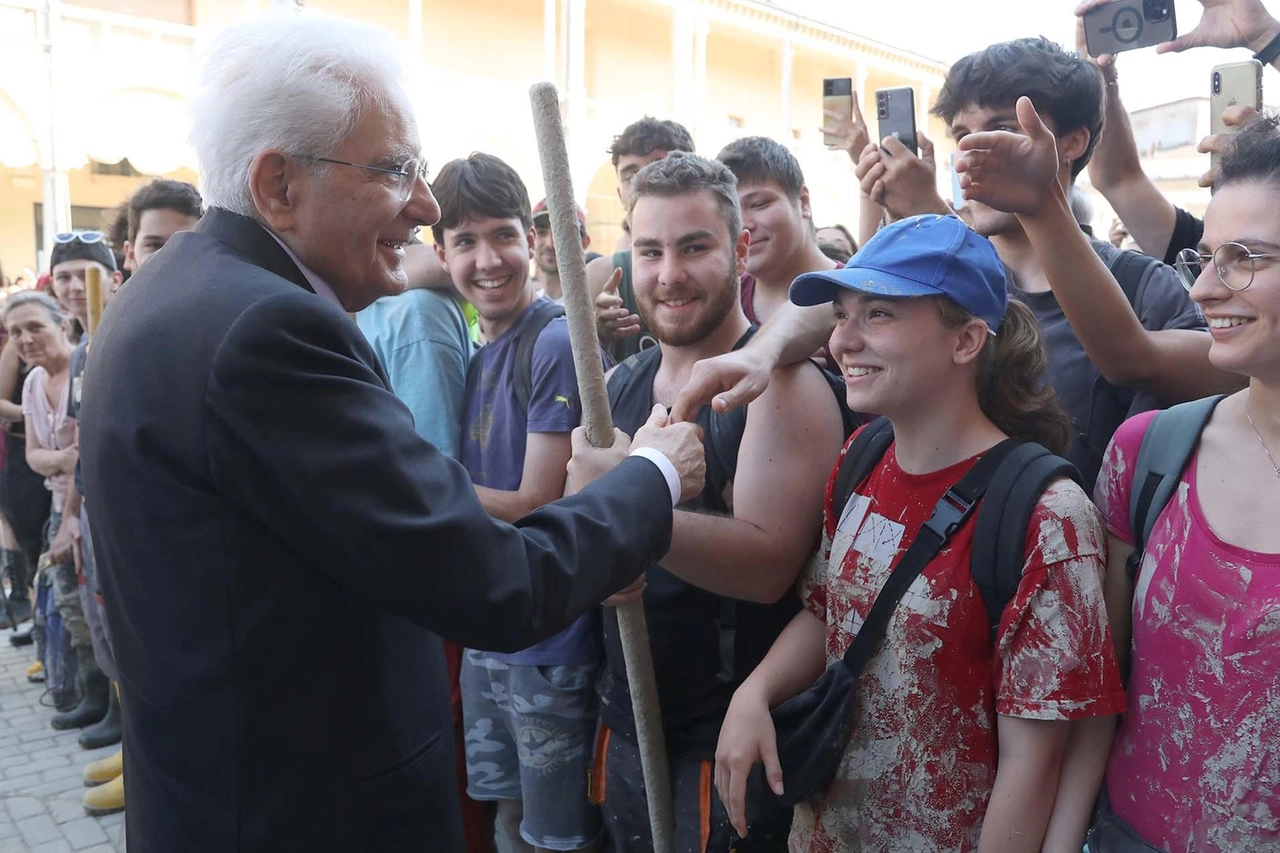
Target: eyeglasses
[86,237]
[1233,262]
[408,173]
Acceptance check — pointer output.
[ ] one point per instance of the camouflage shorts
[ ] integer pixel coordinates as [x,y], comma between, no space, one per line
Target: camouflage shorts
[529,737]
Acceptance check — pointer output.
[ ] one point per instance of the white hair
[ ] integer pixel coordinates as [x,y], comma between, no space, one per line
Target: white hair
[297,82]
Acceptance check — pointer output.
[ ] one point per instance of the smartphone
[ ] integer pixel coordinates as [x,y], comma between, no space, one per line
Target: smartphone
[837,96]
[957,194]
[1129,25]
[1231,84]
[896,110]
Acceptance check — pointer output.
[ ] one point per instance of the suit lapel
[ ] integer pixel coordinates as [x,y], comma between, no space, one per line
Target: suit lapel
[252,240]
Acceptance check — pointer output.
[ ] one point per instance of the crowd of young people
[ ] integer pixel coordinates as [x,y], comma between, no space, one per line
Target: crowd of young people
[1116,693]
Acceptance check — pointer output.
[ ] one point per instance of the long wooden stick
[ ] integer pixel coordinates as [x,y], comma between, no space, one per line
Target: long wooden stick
[599,424]
[93,295]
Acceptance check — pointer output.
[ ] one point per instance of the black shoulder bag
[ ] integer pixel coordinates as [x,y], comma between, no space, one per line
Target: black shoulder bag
[813,728]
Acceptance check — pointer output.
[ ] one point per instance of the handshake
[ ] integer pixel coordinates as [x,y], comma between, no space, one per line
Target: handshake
[679,442]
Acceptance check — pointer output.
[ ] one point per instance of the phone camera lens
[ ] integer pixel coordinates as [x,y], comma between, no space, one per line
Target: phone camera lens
[1155,10]
[1217,83]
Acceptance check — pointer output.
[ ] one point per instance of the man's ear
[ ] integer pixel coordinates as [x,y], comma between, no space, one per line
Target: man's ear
[805,210]
[532,237]
[444,264]
[130,262]
[586,242]
[970,342]
[741,251]
[1071,146]
[275,183]
[117,279]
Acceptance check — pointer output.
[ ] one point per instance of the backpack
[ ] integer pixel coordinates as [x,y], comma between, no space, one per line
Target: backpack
[1110,405]
[522,371]
[999,540]
[1171,438]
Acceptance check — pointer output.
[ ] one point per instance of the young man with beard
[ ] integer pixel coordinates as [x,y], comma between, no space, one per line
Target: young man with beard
[776,213]
[609,278]
[1122,337]
[725,590]
[529,716]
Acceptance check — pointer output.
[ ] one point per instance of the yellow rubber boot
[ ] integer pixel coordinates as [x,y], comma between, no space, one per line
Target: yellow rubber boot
[35,672]
[107,798]
[104,769]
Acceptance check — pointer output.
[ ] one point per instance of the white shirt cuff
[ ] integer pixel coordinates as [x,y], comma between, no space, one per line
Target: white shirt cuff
[657,457]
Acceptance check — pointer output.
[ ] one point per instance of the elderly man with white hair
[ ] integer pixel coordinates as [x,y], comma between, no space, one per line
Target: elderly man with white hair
[280,551]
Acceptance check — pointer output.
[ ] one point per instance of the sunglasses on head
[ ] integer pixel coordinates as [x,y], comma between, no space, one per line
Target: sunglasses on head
[86,237]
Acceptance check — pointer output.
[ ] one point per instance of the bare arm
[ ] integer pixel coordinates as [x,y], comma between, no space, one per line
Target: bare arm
[46,462]
[790,335]
[1116,172]
[757,553]
[1083,766]
[1031,753]
[423,267]
[1018,173]
[794,662]
[546,458]
[9,410]
[1119,595]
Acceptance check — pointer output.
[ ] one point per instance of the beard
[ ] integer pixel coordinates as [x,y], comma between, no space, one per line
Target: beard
[686,331]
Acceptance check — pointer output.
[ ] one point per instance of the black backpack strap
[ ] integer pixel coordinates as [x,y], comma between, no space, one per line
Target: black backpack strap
[1132,270]
[1000,535]
[949,514]
[522,371]
[860,460]
[1166,448]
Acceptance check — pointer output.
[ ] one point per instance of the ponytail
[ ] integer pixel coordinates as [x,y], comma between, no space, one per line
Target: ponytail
[1011,390]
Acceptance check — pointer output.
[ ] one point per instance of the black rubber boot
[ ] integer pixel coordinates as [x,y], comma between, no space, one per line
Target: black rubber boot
[93,702]
[17,607]
[106,732]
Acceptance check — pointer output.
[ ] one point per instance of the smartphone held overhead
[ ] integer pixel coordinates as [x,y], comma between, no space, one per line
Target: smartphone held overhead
[1129,25]
[896,112]
[1230,85]
[837,97]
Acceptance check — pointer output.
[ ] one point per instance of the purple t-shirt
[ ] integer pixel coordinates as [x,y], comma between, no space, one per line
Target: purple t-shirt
[494,432]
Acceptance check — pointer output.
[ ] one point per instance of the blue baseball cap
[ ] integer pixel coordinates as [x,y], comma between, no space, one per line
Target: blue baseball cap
[926,255]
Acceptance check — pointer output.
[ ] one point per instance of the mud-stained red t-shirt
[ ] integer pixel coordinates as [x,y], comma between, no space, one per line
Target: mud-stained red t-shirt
[1196,763]
[921,763]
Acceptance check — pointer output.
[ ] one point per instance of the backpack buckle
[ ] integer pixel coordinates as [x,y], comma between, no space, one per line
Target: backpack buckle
[949,514]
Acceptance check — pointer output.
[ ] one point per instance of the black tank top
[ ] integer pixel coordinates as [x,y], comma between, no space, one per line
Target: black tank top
[703,644]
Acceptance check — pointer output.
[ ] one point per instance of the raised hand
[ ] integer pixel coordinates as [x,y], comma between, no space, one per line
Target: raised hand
[851,135]
[1106,62]
[613,319]
[1226,24]
[1218,143]
[899,181]
[1008,171]
[726,382]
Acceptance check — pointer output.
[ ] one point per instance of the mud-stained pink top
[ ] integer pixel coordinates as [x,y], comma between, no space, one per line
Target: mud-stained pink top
[1196,763]
[919,769]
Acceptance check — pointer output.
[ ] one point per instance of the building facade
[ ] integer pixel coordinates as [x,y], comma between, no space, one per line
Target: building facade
[92,94]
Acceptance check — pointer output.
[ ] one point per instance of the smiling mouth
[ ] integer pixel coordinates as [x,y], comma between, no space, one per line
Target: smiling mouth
[858,372]
[490,283]
[1226,322]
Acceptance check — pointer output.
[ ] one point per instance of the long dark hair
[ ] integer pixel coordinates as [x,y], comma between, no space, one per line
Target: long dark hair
[1010,371]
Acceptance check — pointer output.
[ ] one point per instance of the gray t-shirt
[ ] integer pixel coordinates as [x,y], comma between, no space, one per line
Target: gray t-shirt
[1097,408]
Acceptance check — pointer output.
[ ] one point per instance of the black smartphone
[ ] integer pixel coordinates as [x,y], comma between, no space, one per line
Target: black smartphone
[896,111]
[837,96]
[1129,25]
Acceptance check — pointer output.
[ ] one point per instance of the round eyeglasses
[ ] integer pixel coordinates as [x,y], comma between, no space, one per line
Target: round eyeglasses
[407,174]
[1233,262]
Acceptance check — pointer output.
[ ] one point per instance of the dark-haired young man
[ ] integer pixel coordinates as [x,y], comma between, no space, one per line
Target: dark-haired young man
[1122,337]
[640,144]
[529,716]
[157,211]
[776,213]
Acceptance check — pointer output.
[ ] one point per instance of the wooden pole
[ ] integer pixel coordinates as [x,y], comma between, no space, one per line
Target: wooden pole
[598,420]
[93,295]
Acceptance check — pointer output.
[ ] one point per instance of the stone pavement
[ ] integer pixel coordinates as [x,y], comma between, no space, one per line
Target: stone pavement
[40,783]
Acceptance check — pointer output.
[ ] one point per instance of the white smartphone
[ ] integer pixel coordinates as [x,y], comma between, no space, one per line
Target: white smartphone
[1229,85]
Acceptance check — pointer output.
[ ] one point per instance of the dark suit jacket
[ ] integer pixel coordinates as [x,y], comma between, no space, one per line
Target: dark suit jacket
[279,550]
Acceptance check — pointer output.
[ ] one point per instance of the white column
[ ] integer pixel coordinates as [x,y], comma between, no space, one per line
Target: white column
[549,40]
[56,207]
[866,102]
[576,76]
[924,94]
[788,60]
[702,29]
[683,26]
[415,27]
